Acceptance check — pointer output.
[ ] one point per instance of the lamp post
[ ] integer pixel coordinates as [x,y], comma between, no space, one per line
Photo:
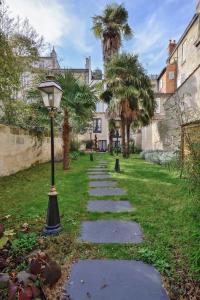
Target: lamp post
[51,94]
[117,164]
[91,149]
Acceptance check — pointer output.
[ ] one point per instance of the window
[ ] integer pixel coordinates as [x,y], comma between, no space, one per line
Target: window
[97,125]
[171,75]
[184,51]
[157,111]
[101,107]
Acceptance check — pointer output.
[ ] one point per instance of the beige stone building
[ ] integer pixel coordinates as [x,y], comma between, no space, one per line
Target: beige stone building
[100,130]
[178,92]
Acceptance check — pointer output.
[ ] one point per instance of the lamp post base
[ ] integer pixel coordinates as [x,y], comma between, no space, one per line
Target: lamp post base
[91,157]
[52,226]
[117,165]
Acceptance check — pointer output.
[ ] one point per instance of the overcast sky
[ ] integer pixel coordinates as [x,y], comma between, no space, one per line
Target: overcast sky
[66,24]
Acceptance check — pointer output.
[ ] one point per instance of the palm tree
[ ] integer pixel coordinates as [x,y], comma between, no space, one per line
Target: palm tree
[131,93]
[111,27]
[78,103]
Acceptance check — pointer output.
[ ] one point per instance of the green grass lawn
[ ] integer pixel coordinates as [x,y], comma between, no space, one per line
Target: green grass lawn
[167,213]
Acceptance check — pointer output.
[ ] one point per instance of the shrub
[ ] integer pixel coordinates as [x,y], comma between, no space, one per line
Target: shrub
[24,244]
[160,157]
[74,145]
[88,144]
[137,150]
[81,152]
[74,155]
[134,149]
[119,149]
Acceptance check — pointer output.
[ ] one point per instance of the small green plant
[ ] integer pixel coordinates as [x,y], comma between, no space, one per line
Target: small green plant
[89,144]
[81,152]
[23,266]
[74,145]
[24,244]
[152,257]
[74,155]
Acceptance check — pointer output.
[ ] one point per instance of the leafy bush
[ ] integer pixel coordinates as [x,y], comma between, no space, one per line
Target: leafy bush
[24,244]
[81,153]
[137,150]
[88,144]
[160,157]
[24,115]
[115,149]
[74,145]
[74,155]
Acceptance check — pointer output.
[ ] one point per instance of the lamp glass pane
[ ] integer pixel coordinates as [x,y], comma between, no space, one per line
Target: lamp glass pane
[57,97]
[51,100]
[117,123]
[45,99]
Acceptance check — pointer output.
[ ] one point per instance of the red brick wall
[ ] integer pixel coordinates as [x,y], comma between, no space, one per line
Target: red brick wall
[170,83]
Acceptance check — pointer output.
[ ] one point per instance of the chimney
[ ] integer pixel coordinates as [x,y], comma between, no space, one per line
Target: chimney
[171,46]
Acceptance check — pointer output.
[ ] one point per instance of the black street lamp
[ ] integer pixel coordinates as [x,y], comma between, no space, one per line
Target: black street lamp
[51,94]
[117,164]
[91,146]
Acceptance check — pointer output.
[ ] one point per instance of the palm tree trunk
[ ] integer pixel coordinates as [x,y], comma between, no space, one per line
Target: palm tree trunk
[128,139]
[66,140]
[111,133]
[123,137]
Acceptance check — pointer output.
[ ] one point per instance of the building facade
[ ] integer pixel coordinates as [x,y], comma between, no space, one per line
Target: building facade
[178,92]
[85,75]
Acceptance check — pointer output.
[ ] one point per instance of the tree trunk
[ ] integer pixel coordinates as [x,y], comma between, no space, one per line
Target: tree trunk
[123,137]
[66,140]
[128,139]
[111,133]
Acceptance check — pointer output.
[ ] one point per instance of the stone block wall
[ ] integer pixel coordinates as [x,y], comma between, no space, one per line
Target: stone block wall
[20,149]
[181,108]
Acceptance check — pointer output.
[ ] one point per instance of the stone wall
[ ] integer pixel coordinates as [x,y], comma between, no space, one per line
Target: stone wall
[180,109]
[154,134]
[20,149]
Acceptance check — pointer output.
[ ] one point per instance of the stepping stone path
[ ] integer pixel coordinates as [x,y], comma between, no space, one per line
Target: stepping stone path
[107,192]
[111,279]
[111,231]
[99,176]
[102,183]
[98,173]
[114,280]
[109,206]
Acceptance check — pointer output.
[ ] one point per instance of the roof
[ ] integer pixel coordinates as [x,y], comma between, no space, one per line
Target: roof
[72,70]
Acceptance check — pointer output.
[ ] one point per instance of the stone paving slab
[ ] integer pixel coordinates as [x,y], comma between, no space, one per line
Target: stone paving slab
[99,176]
[100,166]
[114,280]
[102,183]
[107,192]
[111,231]
[103,172]
[109,206]
[97,169]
